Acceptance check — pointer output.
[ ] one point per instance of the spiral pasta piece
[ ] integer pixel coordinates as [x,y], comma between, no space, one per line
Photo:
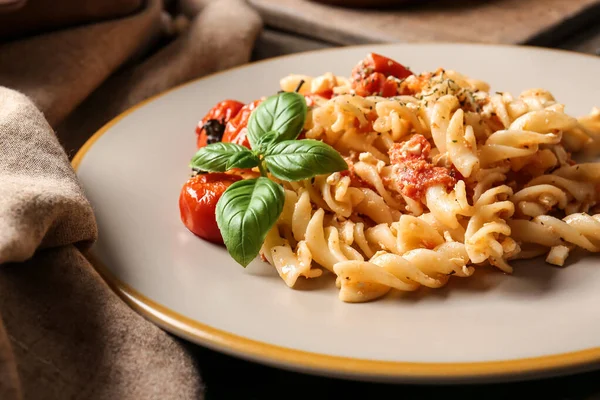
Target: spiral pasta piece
[354,234]
[447,207]
[367,280]
[278,246]
[507,109]
[485,179]
[399,118]
[369,170]
[325,245]
[509,144]
[585,172]
[585,136]
[525,135]
[461,145]
[579,229]
[408,233]
[487,237]
[547,192]
[330,192]
[449,234]
[343,122]
[440,119]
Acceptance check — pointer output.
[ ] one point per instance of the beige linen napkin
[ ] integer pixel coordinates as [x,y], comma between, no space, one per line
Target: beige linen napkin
[220,37]
[63,333]
[35,16]
[60,69]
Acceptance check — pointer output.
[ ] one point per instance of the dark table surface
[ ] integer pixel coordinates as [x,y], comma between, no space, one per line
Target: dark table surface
[227,377]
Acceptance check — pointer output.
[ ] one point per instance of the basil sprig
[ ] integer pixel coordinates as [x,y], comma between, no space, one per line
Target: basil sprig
[215,156]
[245,213]
[284,114]
[294,160]
[248,209]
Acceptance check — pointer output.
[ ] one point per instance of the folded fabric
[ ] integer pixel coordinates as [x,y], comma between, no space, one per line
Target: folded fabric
[63,332]
[220,37]
[33,16]
[60,69]
[70,335]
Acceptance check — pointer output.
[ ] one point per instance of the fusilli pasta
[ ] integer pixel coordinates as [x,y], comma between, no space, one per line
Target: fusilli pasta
[444,177]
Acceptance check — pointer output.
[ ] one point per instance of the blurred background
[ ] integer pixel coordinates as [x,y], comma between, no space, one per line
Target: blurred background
[70,56]
[566,24]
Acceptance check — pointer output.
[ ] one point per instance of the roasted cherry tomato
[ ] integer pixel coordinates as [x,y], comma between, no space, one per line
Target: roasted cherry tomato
[198,201]
[370,76]
[212,126]
[235,131]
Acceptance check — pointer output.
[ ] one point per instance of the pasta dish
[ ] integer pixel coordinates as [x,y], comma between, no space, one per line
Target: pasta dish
[434,176]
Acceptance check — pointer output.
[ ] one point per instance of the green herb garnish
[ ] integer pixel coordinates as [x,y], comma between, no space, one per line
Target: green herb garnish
[248,209]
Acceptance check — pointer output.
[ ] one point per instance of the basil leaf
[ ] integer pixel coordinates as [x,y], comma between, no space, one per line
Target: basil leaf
[294,160]
[214,157]
[246,211]
[283,113]
[265,140]
[246,159]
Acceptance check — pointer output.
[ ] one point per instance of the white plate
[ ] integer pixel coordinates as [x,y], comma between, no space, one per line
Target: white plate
[540,321]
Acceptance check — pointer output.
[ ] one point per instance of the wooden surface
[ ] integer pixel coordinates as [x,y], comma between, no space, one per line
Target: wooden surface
[586,41]
[499,21]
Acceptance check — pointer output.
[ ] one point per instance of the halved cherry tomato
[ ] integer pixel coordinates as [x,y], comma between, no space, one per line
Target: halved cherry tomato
[235,131]
[198,201]
[370,76]
[387,66]
[210,129]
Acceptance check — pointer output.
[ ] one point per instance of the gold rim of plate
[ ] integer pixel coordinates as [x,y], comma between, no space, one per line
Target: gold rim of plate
[321,363]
